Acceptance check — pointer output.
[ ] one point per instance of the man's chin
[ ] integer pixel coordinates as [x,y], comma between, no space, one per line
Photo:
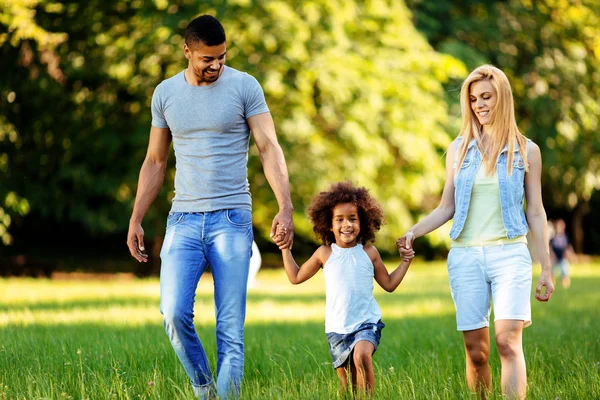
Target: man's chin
[210,78]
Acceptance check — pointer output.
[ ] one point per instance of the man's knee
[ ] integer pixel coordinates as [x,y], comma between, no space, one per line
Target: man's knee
[176,318]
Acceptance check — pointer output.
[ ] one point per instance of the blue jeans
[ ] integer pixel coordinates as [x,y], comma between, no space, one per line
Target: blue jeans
[223,240]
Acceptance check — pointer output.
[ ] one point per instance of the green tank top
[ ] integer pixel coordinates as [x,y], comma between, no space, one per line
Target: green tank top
[484,225]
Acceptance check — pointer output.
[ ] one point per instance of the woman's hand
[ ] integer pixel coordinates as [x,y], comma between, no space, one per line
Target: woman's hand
[545,281]
[404,246]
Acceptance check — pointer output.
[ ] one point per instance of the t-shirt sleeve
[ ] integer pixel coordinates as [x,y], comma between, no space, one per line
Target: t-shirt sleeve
[254,98]
[157,108]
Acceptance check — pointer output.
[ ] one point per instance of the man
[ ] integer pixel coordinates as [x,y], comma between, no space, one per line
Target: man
[208,111]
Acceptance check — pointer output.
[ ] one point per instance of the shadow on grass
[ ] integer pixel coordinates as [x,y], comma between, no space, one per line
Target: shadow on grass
[253,297]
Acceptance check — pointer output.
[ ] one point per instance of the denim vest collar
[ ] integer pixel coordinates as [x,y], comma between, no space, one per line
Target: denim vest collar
[473,142]
[505,149]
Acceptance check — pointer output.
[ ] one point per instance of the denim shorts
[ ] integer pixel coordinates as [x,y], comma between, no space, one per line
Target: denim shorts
[481,274]
[341,345]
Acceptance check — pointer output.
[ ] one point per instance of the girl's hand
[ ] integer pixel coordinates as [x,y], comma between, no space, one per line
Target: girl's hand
[280,238]
[282,229]
[404,246]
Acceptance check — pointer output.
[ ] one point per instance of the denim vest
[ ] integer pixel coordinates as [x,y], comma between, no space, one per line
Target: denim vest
[512,190]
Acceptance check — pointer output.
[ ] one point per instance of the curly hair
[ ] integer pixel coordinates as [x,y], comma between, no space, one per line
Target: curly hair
[321,208]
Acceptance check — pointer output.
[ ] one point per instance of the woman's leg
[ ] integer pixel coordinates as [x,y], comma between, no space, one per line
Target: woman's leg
[477,350]
[509,335]
[510,274]
[363,361]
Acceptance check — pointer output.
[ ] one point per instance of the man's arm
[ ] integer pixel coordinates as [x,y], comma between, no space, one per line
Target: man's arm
[275,168]
[151,178]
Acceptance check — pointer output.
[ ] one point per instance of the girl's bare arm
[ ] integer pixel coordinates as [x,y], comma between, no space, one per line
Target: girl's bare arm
[300,274]
[389,282]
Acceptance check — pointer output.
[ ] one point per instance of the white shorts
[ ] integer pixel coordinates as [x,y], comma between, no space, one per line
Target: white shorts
[502,273]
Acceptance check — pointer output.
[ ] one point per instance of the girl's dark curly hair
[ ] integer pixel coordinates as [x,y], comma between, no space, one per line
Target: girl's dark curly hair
[321,208]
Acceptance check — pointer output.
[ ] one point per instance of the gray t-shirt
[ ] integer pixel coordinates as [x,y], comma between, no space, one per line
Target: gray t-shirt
[210,138]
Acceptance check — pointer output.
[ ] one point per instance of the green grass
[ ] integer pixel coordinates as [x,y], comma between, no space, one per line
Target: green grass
[105,340]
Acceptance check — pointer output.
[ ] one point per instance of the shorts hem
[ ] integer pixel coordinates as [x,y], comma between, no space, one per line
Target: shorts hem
[472,327]
[341,360]
[526,319]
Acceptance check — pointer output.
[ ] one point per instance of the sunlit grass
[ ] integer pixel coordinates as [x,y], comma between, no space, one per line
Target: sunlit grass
[135,302]
[104,339]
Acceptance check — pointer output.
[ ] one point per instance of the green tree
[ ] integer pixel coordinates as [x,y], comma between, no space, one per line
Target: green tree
[74,105]
[355,90]
[356,94]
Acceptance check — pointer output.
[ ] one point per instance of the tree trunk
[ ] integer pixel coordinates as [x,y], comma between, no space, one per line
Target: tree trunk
[577,229]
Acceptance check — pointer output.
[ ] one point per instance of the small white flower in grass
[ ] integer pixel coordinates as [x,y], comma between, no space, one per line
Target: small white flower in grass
[392,370]
[78,351]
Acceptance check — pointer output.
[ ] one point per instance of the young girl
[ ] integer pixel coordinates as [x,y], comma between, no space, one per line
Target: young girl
[346,219]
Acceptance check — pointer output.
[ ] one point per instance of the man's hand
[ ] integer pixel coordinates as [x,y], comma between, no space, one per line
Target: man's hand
[135,242]
[282,230]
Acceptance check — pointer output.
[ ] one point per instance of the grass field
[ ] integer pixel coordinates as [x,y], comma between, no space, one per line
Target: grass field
[105,340]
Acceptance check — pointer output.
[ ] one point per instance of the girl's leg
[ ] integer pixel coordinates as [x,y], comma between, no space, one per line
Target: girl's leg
[363,361]
[342,373]
[477,350]
[509,335]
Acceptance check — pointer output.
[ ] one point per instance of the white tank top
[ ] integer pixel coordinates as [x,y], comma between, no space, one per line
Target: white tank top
[349,300]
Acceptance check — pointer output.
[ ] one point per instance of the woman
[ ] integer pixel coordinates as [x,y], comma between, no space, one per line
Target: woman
[491,168]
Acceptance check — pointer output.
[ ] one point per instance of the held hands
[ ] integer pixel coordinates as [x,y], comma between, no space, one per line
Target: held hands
[135,242]
[404,246]
[544,281]
[282,230]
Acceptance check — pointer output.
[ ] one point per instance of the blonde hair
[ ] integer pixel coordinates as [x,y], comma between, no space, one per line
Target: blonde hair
[502,128]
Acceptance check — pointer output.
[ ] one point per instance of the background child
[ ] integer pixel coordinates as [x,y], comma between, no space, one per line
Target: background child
[346,218]
[561,249]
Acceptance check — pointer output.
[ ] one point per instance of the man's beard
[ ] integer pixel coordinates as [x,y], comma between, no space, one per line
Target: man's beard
[207,77]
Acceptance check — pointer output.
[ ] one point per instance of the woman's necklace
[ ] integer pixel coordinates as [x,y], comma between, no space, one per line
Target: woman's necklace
[484,146]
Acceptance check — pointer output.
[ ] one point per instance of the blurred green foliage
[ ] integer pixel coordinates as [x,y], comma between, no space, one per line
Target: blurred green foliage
[356,91]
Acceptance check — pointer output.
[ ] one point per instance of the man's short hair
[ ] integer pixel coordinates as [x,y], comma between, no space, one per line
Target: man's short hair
[205,29]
